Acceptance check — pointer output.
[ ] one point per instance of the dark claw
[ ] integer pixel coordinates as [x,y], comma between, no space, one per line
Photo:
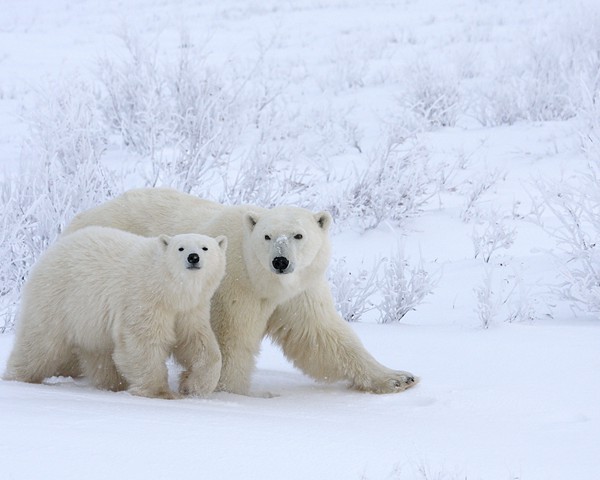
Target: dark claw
[400,384]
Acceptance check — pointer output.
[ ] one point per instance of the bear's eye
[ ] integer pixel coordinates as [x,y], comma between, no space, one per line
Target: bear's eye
[298,236]
[181,249]
[267,237]
[205,248]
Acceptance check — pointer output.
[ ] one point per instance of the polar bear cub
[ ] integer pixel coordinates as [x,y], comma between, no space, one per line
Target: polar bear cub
[113,306]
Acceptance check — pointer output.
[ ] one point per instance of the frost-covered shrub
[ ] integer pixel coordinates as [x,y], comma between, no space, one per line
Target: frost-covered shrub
[64,152]
[403,287]
[523,304]
[537,90]
[533,87]
[266,178]
[400,286]
[500,294]
[351,65]
[62,174]
[475,188]
[432,94]
[491,235]
[395,185]
[136,97]
[542,79]
[352,291]
[575,208]
[181,115]
[487,302]
[589,116]
[65,125]
[503,296]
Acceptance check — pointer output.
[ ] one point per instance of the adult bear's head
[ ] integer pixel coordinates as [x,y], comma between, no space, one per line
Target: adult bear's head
[285,240]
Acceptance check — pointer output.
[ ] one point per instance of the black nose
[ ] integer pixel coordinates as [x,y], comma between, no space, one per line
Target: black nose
[280,263]
[193,258]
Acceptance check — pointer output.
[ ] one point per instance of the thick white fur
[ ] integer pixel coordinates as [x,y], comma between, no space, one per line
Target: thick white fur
[295,308]
[114,305]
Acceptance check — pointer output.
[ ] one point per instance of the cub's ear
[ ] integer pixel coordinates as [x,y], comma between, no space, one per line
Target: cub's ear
[250,220]
[222,242]
[323,219]
[164,240]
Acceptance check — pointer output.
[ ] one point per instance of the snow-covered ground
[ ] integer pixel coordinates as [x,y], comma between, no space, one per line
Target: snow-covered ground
[485,100]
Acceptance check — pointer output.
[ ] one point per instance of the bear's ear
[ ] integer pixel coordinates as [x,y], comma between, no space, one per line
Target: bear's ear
[222,242]
[164,240]
[323,219]
[250,220]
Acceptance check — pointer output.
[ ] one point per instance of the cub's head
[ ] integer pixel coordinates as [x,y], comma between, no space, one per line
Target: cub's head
[191,256]
[285,240]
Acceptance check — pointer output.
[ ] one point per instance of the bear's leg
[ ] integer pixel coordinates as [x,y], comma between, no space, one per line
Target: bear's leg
[100,368]
[71,368]
[36,357]
[141,355]
[237,368]
[239,331]
[323,345]
[198,352]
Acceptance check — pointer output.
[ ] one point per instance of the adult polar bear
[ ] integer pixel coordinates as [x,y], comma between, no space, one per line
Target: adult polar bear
[274,285]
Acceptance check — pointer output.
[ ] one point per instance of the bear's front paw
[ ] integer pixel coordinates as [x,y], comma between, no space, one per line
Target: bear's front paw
[164,392]
[197,385]
[403,380]
[392,382]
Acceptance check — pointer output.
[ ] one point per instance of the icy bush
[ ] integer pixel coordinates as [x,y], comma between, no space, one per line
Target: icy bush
[589,116]
[352,291]
[395,185]
[542,80]
[575,208]
[492,235]
[503,296]
[62,175]
[523,305]
[136,98]
[403,287]
[266,178]
[500,294]
[475,188]
[400,285]
[432,94]
[487,303]
[63,153]
[525,94]
[182,116]
[351,65]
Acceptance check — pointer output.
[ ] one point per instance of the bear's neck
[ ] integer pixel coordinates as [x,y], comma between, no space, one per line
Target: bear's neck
[269,287]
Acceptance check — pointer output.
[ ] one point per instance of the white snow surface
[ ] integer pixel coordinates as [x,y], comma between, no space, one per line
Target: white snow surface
[517,400]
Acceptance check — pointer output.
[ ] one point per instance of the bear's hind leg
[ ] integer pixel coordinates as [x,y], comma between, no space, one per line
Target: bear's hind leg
[71,368]
[33,361]
[141,358]
[100,368]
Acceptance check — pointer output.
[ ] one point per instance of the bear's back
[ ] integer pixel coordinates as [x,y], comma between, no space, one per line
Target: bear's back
[96,257]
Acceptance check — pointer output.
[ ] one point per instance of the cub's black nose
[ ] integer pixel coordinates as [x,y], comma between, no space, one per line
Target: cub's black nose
[280,263]
[193,258]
